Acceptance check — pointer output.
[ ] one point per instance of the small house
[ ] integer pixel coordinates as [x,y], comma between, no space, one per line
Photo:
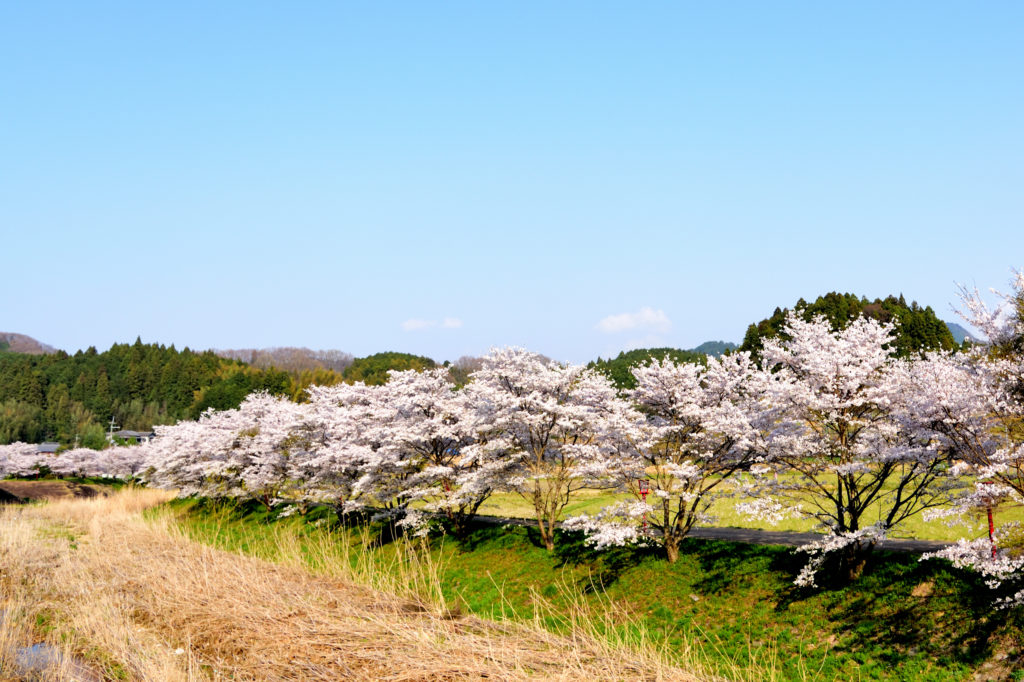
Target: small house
[135,436]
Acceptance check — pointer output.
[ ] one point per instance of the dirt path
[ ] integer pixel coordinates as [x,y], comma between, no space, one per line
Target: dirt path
[137,600]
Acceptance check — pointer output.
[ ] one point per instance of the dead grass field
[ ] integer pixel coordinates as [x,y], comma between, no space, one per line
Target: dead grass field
[130,598]
[51,489]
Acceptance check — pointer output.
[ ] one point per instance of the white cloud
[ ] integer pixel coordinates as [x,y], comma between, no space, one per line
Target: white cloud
[416,324]
[649,341]
[647,319]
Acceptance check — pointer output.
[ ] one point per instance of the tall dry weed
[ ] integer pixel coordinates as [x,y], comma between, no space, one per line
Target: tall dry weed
[137,599]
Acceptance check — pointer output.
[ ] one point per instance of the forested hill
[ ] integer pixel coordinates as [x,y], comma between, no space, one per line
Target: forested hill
[61,397]
[373,369]
[917,328]
[620,368]
[19,343]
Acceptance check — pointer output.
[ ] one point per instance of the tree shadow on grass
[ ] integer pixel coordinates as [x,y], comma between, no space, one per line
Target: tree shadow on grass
[902,614]
[605,565]
[898,609]
[245,511]
[481,534]
[725,564]
[903,607]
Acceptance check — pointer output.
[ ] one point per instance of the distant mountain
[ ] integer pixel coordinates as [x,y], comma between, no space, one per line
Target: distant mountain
[960,334]
[290,359]
[19,343]
[715,348]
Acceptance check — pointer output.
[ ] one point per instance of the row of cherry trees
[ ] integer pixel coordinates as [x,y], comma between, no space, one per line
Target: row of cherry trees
[24,460]
[829,425]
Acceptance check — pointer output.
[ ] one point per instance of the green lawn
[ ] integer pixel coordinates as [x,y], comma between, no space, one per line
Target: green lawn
[731,605]
[591,501]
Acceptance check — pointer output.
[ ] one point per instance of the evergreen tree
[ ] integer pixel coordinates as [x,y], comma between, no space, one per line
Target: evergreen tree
[620,368]
[373,369]
[917,329]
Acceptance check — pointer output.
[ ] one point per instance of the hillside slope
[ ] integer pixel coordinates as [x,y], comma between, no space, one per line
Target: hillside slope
[20,343]
[131,599]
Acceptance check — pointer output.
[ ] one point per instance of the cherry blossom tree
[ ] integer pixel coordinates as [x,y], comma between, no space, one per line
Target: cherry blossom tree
[981,411]
[340,470]
[263,454]
[254,452]
[1002,326]
[384,469]
[840,449]
[545,430]
[80,462]
[976,404]
[195,457]
[24,459]
[701,428]
[125,463]
[20,459]
[423,430]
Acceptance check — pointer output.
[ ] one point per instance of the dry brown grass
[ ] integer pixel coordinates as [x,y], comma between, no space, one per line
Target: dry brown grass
[123,594]
[51,489]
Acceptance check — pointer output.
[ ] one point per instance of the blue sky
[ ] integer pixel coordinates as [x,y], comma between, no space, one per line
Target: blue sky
[439,178]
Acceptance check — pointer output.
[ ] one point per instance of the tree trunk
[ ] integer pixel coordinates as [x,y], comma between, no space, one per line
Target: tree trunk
[547,535]
[461,524]
[547,532]
[855,567]
[853,560]
[671,548]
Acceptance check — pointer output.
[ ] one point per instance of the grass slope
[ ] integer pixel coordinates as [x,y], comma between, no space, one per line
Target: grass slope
[115,596]
[904,619]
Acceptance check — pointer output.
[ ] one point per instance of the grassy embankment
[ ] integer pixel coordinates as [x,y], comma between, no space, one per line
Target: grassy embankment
[728,608]
[116,596]
[121,595]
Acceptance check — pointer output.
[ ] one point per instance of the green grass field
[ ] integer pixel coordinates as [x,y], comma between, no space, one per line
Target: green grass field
[591,501]
[732,604]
